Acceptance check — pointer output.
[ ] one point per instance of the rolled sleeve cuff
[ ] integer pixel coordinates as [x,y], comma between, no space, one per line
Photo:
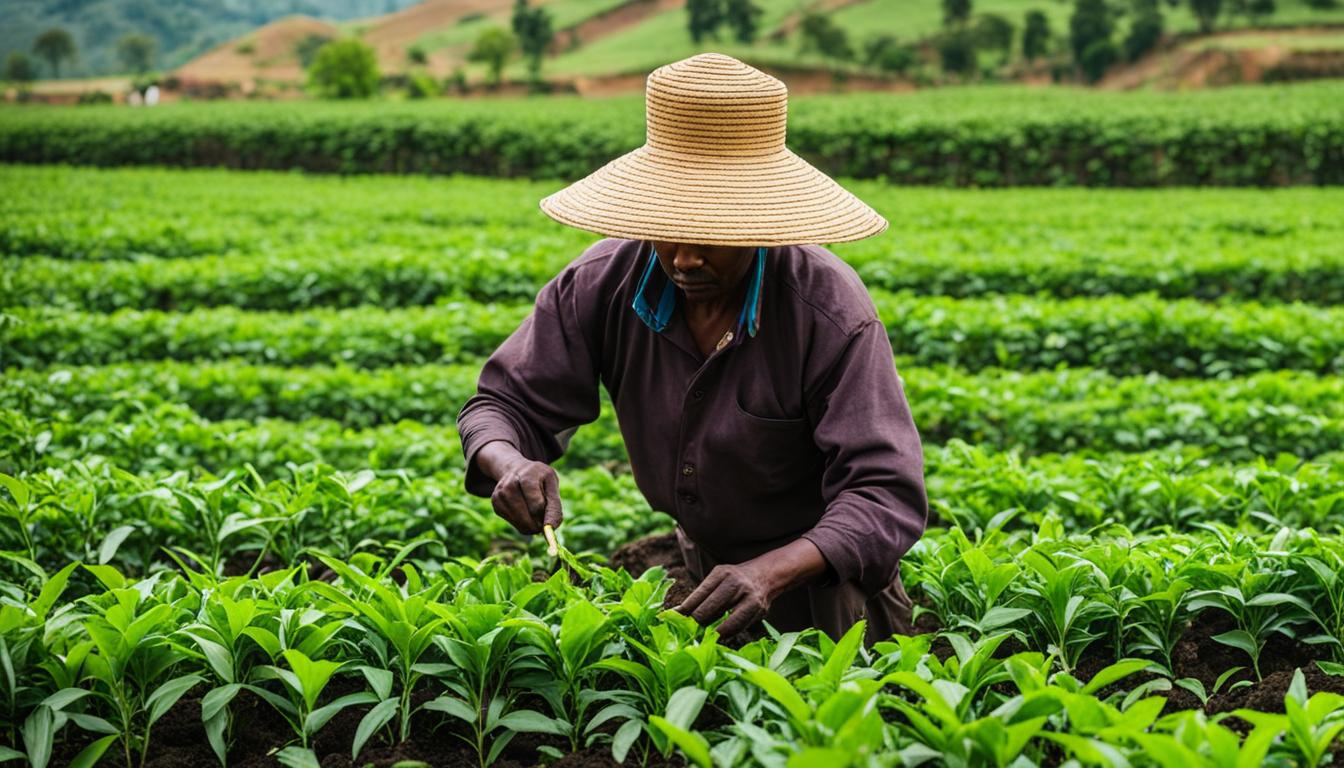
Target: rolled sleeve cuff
[847,562]
[485,426]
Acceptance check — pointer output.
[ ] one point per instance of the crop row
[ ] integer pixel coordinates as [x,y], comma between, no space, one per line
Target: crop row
[396,276]
[482,651]
[1124,335]
[1043,411]
[408,240]
[1272,135]
[289,483]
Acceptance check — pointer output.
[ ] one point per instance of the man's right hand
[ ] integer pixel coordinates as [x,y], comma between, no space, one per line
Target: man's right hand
[527,492]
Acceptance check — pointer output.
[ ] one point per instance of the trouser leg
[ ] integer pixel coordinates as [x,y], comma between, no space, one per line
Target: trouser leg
[833,609]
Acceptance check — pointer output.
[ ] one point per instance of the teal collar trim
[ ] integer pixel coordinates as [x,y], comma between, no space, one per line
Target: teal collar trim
[654,282]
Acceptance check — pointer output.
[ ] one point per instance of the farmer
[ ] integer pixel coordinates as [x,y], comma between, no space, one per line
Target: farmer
[752,380]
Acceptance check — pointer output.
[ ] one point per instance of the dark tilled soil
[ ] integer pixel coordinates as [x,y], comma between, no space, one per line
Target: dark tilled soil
[641,555]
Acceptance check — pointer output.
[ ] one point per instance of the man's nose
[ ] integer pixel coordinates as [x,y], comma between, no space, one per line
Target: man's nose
[687,259]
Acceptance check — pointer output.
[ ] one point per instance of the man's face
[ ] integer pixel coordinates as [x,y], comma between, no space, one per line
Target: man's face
[704,272]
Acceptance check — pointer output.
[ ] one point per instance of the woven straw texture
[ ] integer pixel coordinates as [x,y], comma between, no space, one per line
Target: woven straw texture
[714,170]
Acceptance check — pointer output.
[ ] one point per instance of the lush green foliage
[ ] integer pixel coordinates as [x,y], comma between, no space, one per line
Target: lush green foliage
[251,495]
[1126,335]
[981,137]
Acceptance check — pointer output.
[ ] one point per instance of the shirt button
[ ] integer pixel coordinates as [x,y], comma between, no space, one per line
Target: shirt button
[698,394]
[687,470]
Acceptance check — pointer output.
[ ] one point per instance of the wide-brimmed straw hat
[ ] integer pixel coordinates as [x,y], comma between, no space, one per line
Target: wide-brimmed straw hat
[714,170]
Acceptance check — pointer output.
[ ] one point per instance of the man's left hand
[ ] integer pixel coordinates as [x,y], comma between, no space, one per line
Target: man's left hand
[739,588]
[747,589]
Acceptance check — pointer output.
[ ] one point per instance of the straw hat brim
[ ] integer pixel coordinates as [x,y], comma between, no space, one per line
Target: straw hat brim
[771,199]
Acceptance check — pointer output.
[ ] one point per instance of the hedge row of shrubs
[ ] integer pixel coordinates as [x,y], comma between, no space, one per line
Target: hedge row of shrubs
[985,137]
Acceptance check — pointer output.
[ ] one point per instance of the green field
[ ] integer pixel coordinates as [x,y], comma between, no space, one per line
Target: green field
[234,526]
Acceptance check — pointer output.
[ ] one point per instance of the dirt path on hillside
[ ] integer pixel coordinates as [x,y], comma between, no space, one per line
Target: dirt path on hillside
[1198,62]
[609,22]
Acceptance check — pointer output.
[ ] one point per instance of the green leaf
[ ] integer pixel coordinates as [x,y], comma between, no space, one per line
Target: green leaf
[779,689]
[1241,639]
[454,707]
[376,718]
[88,756]
[18,489]
[693,745]
[530,721]
[297,757]
[1331,668]
[109,576]
[51,592]
[166,695]
[625,739]
[59,699]
[1117,671]
[38,732]
[109,547]
[820,757]
[319,717]
[684,706]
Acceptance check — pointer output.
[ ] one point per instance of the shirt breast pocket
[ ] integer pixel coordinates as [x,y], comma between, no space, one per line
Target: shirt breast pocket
[774,455]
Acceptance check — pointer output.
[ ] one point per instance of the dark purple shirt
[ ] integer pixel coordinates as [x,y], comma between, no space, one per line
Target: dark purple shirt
[800,430]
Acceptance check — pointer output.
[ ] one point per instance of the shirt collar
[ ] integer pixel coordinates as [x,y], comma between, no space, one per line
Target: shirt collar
[656,296]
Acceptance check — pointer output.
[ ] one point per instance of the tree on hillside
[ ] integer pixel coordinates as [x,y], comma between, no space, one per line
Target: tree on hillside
[1145,29]
[55,45]
[136,52]
[416,55]
[956,50]
[1206,11]
[744,17]
[307,47]
[19,69]
[993,32]
[1257,10]
[703,18]
[1036,35]
[532,27]
[493,48]
[818,33]
[888,54]
[1090,23]
[344,69]
[956,11]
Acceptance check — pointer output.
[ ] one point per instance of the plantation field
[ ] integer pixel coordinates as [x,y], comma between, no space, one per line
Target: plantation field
[233,526]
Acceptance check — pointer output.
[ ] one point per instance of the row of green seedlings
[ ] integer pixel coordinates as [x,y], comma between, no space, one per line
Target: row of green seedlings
[495,653]
[1040,411]
[1190,242]
[425,267]
[243,519]
[1124,335]
[1117,593]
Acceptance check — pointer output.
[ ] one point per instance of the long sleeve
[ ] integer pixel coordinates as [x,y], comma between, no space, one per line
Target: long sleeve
[873,481]
[539,385]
